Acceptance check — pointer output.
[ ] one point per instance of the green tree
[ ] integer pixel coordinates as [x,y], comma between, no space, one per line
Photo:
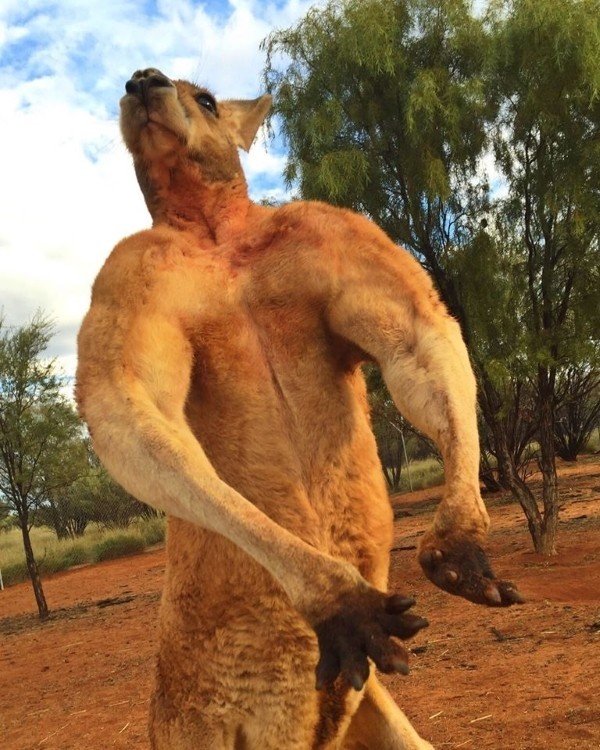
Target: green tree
[107,503]
[383,109]
[545,76]
[578,414]
[36,422]
[488,273]
[67,509]
[65,463]
[7,519]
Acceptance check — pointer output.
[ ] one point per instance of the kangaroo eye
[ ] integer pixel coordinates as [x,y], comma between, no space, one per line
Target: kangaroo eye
[208,102]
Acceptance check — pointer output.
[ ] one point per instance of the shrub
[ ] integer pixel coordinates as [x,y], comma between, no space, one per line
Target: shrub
[153,531]
[15,573]
[118,546]
[76,555]
[593,443]
[62,557]
[424,473]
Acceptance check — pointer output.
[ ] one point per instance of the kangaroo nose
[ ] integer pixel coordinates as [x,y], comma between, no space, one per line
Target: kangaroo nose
[142,80]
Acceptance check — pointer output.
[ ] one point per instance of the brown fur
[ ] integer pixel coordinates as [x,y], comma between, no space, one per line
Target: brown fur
[219,375]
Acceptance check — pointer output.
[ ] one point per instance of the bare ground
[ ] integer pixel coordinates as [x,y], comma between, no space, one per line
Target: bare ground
[525,678]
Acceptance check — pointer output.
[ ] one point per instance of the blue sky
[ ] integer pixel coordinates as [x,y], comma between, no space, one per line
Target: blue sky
[68,192]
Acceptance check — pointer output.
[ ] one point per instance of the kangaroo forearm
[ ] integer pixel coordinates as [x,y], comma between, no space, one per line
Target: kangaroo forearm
[434,387]
[164,466]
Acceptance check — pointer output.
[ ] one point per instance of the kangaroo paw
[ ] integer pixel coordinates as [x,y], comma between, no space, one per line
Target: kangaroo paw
[461,567]
[363,629]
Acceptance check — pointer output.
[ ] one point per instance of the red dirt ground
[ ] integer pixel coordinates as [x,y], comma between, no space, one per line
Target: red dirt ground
[525,678]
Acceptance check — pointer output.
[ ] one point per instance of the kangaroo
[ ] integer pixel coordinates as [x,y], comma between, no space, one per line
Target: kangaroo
[220,376]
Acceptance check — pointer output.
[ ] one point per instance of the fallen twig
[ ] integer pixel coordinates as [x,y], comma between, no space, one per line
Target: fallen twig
[53,734]
[480,718]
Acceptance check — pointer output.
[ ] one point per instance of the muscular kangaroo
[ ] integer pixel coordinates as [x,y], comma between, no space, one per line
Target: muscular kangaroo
[219,374]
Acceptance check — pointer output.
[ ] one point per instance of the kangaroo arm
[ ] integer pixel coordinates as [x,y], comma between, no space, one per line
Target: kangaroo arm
[162,464]
[135,412]
[385,303]
[388,307]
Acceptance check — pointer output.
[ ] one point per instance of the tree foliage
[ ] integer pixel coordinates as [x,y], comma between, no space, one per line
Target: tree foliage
[383,109]
[92,497]
[578,414]
[545,75]
[37,423]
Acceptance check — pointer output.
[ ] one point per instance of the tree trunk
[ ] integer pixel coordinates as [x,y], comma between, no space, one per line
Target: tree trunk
[77,527]
[548,462]
[58,523]
[527,501]
[34,573]
[488,477]
[508,476]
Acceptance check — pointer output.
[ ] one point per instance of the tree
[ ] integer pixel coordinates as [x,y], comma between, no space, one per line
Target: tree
[65,463]
[383,109]
[489,275]
[66,510]
[36,423]
[545,75]
[107,503]
[578,413]
[7,520]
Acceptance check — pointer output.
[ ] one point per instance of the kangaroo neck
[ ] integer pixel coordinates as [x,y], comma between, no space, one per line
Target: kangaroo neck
[183,198]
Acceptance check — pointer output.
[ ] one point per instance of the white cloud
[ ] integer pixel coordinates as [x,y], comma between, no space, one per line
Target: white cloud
[68,191]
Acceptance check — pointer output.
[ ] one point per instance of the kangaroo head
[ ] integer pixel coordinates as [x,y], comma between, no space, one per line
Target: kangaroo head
[170,124]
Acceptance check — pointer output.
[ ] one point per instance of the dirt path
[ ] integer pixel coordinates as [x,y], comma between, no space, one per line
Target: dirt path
[527,678]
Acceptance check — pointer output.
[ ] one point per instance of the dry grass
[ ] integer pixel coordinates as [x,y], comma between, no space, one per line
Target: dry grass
[54,554]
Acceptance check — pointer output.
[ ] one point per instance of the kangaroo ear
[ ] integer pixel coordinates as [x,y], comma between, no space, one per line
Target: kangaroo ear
[244,117]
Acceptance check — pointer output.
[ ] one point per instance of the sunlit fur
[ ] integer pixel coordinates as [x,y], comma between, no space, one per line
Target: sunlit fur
[219,374]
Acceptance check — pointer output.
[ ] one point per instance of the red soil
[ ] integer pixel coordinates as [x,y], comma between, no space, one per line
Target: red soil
[524,678]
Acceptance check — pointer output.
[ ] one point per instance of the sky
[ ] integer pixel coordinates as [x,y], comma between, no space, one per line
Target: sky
[68,193]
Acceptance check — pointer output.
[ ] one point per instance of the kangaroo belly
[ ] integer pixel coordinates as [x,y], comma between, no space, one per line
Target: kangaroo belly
[235,657]
[295,440]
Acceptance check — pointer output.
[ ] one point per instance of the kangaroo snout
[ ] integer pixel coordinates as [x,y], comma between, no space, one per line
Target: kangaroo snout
[142,80]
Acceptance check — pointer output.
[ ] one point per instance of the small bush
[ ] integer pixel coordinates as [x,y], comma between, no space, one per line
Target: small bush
[15,573]
[61,557]
[153,531]
[118,546]
[423,474]
[76,555]
[8,524]
[593,443]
